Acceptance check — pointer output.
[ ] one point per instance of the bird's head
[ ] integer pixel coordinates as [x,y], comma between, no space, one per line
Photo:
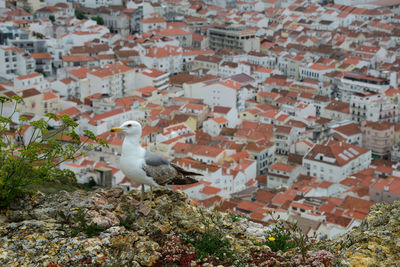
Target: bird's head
[130,128]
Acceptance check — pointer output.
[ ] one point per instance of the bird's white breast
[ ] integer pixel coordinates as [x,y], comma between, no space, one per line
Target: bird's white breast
[132,160]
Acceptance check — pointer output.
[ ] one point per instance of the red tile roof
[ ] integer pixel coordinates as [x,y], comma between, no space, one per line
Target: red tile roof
[264,196]
[49,95]
[29,76]
[80,73]
[79,58]
[44,55]
[340,152]
[153,73]
[210,190]
[348,129]
[173,32]
[69,111]
[250,206]
[283,167]
[354,203]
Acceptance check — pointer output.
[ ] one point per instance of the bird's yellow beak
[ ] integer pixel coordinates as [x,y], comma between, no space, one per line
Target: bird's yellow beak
[116,129]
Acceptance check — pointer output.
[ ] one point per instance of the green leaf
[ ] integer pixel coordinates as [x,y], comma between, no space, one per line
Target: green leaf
[90,134]
[24,167]
[17,98]
[52,116]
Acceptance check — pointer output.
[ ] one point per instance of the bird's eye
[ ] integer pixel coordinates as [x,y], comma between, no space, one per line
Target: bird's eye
[129,125]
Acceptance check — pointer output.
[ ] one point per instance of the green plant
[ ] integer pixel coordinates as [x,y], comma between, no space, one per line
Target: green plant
[92,183]
[279,239]
[288,235]
[52,18]
[41,72]
[213,241]
[235,217]
[128,221]
[65,219]
[91,230]
[80,15]
[26,6]
[29,160]
[98,19]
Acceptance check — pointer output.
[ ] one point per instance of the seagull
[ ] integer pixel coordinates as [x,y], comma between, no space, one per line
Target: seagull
[145,167]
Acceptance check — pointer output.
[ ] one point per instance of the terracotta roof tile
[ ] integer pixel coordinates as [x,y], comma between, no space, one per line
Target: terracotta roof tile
[30,92]
[264,196]
[29,76]
[279,166]
[340,152]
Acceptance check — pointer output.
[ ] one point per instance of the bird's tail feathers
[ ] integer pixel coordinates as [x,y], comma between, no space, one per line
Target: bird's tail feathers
[185,176]
[185,180]
[185,172]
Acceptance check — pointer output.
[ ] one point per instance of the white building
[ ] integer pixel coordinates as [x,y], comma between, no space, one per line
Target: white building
[372,107]
[335,160]
[358,83]
[167,58]
[263,154]
[152,77]
[15,62]
[314,71]
[33,80]
[152,22]
[229,181]
[213,126]
[114,79]
[230,114]
[99,3]
[103,122]
[225,93]
[351,132]
[282,175]
[227,69]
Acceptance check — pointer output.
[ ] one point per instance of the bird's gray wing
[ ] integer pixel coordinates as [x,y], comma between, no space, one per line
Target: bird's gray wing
[163,172]
[154,159]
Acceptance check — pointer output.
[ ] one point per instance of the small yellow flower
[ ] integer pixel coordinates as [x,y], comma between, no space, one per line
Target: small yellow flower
[271,238]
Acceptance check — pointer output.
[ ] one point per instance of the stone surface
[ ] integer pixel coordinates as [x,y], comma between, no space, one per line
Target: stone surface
[374,243]
[41,230]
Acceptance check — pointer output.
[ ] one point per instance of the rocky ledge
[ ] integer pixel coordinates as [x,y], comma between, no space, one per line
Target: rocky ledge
[112,228]
[376,242]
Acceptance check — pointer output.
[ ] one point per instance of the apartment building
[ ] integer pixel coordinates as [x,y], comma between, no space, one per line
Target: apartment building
[282,175]
[372,107]
[227,93]
[32,80]
[152,77]
[335,160]
[115,79]
[233,37]
[386,190]
[284,136]
[264,154]
[15,62]
[353,82]
[377,137]
[167,58]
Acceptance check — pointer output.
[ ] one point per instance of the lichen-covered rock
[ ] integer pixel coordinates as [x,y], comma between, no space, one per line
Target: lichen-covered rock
[108,227]
[374,243]
[112,228]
